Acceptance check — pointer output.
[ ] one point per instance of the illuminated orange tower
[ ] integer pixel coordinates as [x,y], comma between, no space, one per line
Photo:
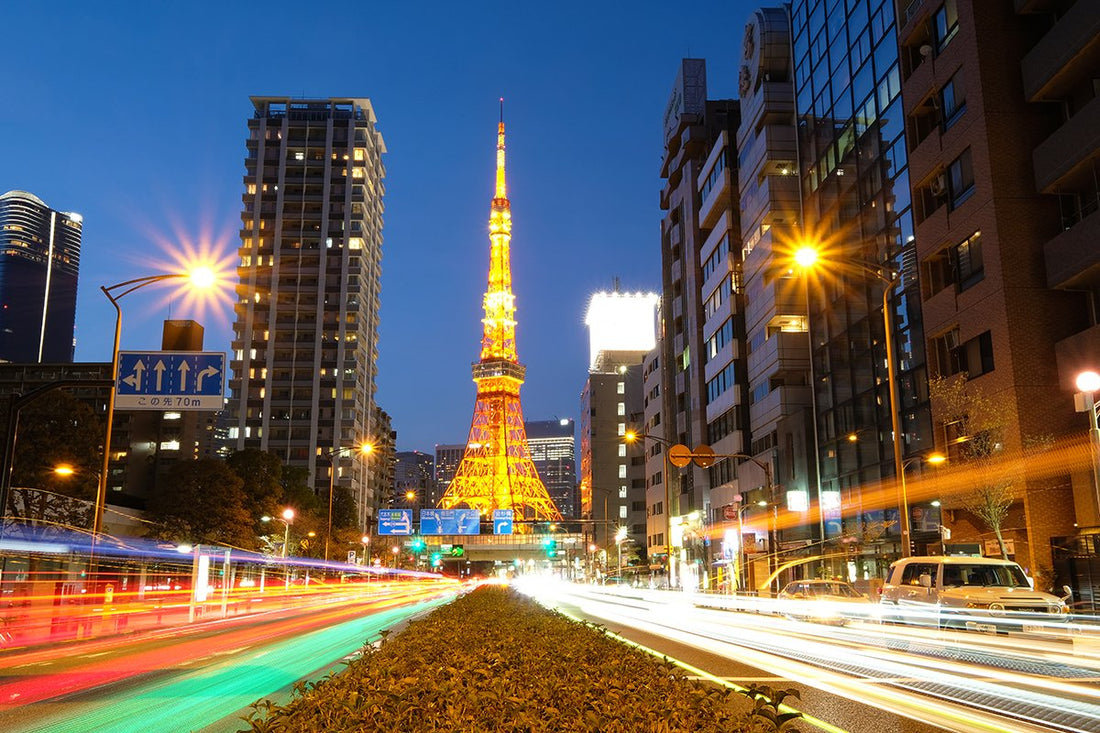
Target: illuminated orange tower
[496,471]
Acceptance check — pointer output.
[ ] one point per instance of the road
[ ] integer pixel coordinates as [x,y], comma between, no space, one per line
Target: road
[863,676]
[199,677]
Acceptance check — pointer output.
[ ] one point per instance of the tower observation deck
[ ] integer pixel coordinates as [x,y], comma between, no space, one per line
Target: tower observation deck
[496,471]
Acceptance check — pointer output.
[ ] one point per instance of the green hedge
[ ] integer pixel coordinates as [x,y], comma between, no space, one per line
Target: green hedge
[495,660]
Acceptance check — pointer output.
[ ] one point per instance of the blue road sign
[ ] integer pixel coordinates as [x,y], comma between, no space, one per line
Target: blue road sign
[431,521]
[467,521]
[395,521]
[450,521]
[170,380]
[502,521]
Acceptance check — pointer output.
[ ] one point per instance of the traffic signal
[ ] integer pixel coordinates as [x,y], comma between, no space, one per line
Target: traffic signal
[457,550]
[551,546]
[437,559]
[418,544]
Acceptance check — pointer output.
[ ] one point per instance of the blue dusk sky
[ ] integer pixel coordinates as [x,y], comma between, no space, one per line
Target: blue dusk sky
[133,114]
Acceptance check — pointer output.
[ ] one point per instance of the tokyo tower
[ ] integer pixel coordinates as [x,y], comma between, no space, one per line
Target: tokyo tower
[496,471]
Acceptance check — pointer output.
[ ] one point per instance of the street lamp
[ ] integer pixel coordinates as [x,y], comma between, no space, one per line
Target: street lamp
[807,258]
[742,576]
[1089,384]
[365,542]
[934,459]
[680,455]
[201,277]
[620,537]
[364,449]
[287,520]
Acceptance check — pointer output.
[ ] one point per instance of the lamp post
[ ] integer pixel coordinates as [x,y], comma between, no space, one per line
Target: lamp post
[364,448]
[365,542]
[808,257]
[935,459]
[1089,384]
[742,576]
[680,455]
[201,277]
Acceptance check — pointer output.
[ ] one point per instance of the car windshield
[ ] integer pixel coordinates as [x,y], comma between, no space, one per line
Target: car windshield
[832,589]
[998,576]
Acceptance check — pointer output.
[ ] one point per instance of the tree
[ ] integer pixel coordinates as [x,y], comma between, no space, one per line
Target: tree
[261,481]
[978,423]
[203,501]
[56,429]
[298,493]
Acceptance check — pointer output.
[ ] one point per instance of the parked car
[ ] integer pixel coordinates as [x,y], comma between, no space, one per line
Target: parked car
[976,593]
[823,601]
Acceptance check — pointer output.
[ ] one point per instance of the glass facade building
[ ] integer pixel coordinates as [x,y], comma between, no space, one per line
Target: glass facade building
[856,205]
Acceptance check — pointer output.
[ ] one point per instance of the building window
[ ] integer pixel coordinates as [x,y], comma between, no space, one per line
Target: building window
[621,408]
[721,382]
[960,179]
[945,23]
[620,388]
[972,358]
[953,100]
[967,256]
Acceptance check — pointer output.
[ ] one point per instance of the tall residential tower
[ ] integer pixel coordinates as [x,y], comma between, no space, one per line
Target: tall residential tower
[306,334]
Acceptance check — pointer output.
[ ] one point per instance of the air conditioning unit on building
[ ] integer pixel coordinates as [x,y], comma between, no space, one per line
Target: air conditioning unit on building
[938,187]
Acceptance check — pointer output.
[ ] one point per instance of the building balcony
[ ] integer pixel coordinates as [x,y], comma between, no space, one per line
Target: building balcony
[1075,35]
[773,105]
[717,202]
[1072,257]
[778,195]
[778,403]
[1070,149]
[767,153]
[786,351]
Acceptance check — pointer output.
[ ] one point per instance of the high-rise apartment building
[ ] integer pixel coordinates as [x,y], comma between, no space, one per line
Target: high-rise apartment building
[1001,111]
[553,451]
[39,264]
[701,393]
[306,333]
[777,347]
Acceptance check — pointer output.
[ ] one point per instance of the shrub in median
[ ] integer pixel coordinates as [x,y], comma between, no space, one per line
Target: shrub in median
[494,660]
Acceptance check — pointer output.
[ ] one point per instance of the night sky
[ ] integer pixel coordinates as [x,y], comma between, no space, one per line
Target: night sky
[133,114]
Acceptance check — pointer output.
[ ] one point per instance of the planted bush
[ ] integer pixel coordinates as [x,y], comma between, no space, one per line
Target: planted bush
[494,660]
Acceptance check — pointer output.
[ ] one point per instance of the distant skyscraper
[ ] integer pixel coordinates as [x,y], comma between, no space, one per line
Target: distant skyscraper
[553,450]
[447,458]
[306,334]
[39,262]
[413,471]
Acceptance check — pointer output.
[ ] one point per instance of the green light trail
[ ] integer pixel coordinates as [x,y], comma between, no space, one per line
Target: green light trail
[196,699]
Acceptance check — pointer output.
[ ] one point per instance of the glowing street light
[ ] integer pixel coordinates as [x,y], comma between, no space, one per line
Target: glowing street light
[364,449]
[1089,384]
[808,258]
[201,277]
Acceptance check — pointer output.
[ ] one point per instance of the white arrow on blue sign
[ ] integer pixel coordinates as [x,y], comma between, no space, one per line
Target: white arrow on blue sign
[170,380]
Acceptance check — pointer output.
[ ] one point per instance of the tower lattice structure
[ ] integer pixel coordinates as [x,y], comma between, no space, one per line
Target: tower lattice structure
[496,471]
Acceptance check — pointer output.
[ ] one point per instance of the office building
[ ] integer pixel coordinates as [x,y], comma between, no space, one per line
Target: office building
[553,451]
[39,264]
[622,331]
[305,342]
